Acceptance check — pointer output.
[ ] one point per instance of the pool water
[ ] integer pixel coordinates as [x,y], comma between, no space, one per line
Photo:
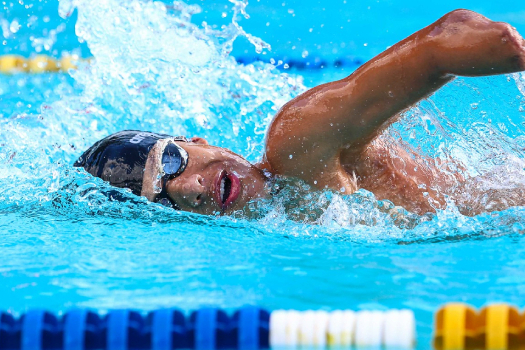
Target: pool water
[65,244]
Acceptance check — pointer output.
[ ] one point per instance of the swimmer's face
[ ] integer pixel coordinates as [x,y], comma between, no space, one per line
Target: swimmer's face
[215,180]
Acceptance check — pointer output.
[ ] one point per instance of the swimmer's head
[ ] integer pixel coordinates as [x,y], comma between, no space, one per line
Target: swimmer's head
[208,179]
[197,177]
[215,180]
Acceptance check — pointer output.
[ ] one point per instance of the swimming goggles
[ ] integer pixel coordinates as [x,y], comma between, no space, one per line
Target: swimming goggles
[173,163]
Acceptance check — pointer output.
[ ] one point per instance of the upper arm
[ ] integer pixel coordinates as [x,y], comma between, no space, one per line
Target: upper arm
[352,111]
[346,113]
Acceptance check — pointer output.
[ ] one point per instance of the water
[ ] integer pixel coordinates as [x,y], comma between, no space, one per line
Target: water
[65,244]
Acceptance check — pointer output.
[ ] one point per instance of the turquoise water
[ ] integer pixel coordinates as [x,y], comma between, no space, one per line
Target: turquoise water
[64,244]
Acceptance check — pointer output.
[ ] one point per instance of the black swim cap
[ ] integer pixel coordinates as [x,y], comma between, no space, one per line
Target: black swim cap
[120,159]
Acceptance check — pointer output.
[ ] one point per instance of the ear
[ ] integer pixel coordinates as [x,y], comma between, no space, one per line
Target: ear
[199,140]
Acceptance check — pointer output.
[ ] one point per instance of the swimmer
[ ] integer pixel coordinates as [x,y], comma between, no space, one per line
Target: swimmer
[328,136]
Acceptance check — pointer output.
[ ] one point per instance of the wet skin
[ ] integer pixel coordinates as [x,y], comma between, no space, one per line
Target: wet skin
[326,135]
[197,189]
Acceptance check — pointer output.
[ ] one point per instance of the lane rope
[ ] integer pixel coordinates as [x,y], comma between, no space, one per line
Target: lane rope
[249,328]
[12,64]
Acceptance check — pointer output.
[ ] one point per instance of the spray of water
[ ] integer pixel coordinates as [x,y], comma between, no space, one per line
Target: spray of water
[152,70]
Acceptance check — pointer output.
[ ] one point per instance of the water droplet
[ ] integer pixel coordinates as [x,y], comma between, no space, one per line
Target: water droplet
[474,105]
[391,94]
[304,54]
[14,26]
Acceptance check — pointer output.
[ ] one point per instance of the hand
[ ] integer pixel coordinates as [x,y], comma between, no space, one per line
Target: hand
[470,44]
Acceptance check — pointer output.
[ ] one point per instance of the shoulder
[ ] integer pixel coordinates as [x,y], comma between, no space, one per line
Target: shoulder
[318,167]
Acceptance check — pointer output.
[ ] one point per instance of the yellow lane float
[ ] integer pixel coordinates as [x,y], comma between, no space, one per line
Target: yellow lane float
[11,64]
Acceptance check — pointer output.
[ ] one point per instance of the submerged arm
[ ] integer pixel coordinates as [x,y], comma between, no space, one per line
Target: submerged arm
[351,112]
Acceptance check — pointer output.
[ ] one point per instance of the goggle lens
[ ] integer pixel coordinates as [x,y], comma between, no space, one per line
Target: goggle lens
[171,159]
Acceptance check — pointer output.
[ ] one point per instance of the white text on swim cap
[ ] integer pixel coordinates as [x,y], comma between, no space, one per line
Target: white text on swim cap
[138,138]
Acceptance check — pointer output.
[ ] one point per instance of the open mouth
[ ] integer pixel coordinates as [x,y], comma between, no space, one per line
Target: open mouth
[227,189]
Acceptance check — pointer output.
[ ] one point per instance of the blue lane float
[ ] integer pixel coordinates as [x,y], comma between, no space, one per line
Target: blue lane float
[167,329]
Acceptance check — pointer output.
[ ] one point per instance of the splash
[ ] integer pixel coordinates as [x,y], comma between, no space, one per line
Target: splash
[519,78]
[155,70]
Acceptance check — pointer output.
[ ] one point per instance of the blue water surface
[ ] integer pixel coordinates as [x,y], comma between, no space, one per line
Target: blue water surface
[65,244]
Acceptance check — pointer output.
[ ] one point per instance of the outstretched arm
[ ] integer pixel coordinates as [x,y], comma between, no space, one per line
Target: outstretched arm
[314,127]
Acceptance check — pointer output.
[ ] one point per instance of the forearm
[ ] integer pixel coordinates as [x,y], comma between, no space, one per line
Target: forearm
[390,83]
[460,43]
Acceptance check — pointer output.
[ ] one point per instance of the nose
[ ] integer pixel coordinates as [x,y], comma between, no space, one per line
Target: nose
[193,190]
